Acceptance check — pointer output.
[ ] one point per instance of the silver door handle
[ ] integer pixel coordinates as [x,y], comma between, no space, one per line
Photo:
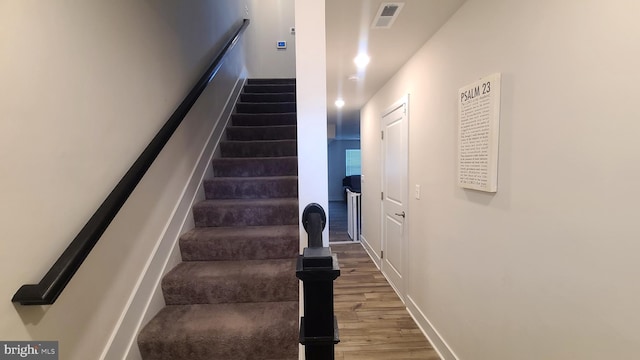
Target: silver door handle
[401,214]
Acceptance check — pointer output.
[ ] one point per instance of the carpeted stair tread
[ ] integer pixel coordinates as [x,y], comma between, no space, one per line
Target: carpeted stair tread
[250,133]
[268,97]
[240,243]
[265,108]
[243,331]
[251,187]
[258,166]
[213,282]
[246,212]
[258,148]
[264,119]
[235,294]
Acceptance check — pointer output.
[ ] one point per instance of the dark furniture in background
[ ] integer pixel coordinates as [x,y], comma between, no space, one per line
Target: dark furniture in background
[351,182]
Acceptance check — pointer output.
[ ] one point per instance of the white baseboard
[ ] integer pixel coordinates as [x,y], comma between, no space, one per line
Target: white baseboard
[377,260]
[434,337]
[146,298]
[372,254]
[430,332]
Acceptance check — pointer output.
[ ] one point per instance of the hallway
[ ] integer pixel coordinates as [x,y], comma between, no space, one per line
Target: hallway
[374,324]
[338,222]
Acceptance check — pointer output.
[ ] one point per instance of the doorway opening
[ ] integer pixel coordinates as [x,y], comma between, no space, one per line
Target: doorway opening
[344,190]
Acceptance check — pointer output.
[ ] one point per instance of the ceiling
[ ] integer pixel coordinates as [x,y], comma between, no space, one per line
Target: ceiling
[348,27]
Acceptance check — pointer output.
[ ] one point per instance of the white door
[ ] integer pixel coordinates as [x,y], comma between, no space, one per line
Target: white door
[394,193]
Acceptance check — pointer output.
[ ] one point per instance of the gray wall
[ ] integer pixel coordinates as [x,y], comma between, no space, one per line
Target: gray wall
[85,86]
[271,21]
[547,267]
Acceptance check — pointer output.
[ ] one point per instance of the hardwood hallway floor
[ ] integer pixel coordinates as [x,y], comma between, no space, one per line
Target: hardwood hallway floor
[374,324]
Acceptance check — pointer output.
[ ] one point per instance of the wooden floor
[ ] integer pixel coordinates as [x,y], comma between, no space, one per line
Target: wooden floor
[374,324]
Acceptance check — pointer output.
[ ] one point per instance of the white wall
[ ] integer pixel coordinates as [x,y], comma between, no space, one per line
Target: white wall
[312,108]
[546,268]
[271,21]
[337,166]
[84,87]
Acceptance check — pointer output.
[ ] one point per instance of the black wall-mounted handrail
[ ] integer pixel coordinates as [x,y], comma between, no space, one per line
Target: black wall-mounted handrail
[49,288]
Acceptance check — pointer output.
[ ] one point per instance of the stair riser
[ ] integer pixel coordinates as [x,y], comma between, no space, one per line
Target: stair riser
[239,249]
[204,349]
[250,189]
[235,295]
[265,108]
[200,349]
[245,215]
[245,149]
[247,133]
[261,89]
[268,98]
[264,119]
[234,289]
[255,167]
[271,81]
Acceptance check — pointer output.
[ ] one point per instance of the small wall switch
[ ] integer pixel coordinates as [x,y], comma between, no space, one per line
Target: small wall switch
[281,44]
[292,30]
[418,192]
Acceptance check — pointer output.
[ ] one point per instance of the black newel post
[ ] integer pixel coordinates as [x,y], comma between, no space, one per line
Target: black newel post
[317,268]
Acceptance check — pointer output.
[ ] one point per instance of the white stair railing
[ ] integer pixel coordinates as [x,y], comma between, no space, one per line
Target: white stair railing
[353,215]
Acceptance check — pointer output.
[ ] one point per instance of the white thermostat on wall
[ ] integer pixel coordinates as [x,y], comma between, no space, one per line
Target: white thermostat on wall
[281,45]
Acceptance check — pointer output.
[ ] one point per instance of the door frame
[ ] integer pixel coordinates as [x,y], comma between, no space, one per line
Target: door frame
[403,101]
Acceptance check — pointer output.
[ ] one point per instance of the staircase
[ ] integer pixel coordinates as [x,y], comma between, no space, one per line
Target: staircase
[235,295]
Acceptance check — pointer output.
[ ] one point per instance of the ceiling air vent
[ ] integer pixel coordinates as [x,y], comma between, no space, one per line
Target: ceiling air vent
[387,14]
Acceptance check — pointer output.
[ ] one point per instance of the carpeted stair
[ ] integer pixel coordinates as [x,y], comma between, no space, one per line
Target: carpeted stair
[235,295]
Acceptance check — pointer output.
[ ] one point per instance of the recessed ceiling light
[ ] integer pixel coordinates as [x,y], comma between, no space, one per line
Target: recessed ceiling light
[362,60]
[354,78]
[339,103]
